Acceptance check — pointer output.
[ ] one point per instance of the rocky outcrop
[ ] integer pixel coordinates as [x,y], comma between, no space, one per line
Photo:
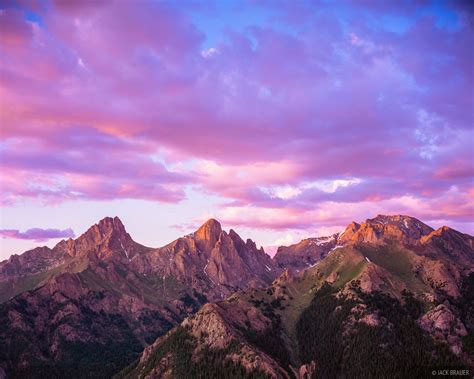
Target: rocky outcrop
[108,240]
[444,326]
[305,371]
[403,229]
[36,261]
[453,244]
[374,278]
[305,253]
[220,327]
[207,235]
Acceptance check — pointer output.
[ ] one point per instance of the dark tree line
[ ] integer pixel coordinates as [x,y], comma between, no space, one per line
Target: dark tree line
[208,363]
[396,348]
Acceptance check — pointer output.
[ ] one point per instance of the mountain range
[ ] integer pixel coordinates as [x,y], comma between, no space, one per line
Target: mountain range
[390,296]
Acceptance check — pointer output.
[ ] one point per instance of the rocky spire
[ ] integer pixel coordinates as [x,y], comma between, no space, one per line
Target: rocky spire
[208,234]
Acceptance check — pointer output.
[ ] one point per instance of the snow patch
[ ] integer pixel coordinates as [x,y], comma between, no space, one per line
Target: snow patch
[310,265]
[125,251]
[320,241]
[205,273]
[335,248]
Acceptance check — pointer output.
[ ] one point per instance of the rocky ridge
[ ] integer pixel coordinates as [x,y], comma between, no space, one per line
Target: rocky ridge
[106,295]
[90,305]
[394,275]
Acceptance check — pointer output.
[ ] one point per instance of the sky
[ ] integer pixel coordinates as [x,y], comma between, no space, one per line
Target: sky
[282,119]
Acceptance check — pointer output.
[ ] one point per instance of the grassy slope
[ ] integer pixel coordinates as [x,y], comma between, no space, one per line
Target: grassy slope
[12,288]
[349,263]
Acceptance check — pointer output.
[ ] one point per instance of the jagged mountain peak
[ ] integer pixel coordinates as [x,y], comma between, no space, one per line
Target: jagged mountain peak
[402,221]
[107,238]
[305,253]
[452,242]
[210,226]
[403,228]
[108,225]
[445,230]
[217,258]
[208,234]
[106,229]
[378,230]
[233,233]
[449,235]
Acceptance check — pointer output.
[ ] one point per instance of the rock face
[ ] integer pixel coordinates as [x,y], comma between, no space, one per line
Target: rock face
[306,371]
[399,229]
[382,287]
[455,245]
[306,253]
[212,261]
[108,240]
[228,329]
[106,296]
[105,239]
[403,229]
[444,326]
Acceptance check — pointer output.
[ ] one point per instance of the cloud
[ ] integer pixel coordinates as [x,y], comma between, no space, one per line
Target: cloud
[84,163]
[333,216]
[37,234]
[128,100]
[286,240]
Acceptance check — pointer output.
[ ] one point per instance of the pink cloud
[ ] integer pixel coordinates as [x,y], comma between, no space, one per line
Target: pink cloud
[454,208]
[83,163]
[106,101]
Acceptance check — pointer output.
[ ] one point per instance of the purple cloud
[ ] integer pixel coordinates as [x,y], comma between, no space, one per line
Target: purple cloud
[37,234]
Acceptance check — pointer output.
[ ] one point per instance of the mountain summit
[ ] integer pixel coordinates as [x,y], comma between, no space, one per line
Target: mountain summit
[212,261]
[381,228]
[378,230]
[105,240]
[108,238]
[208,234]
